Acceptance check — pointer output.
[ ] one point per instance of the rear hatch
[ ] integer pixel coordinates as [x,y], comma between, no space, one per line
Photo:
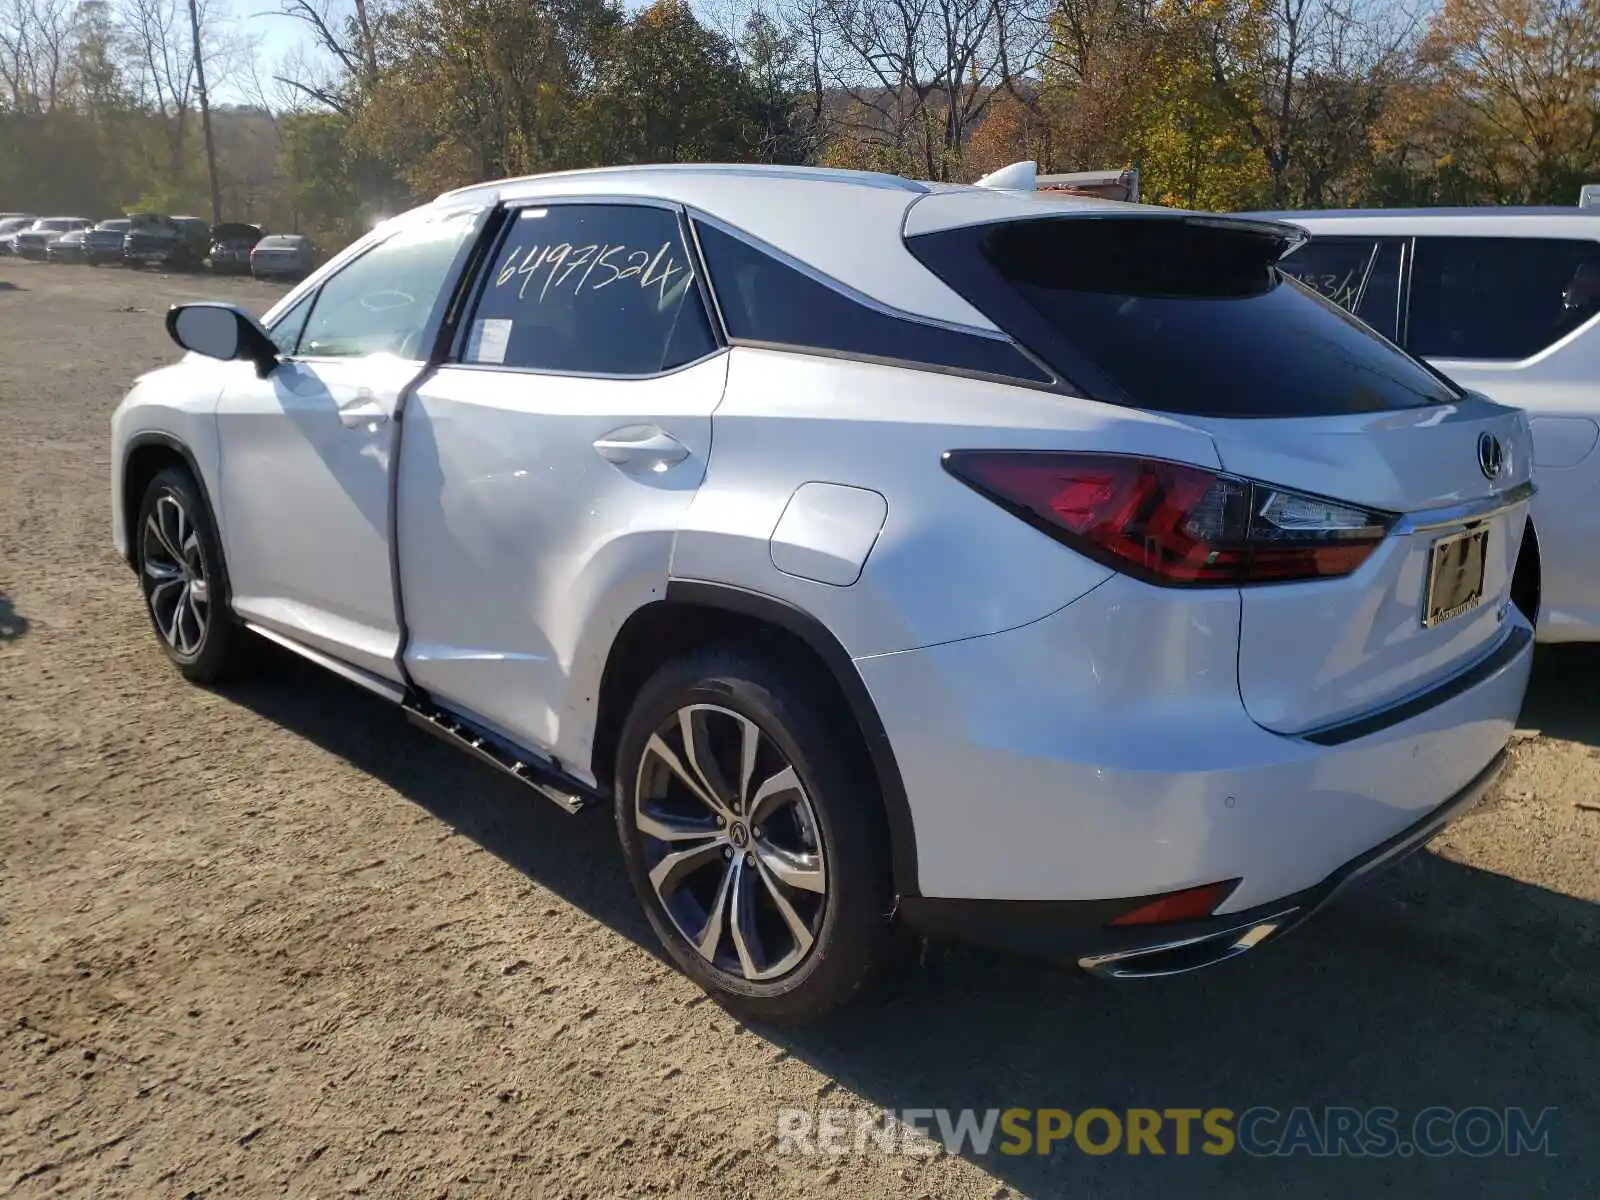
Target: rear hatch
[1431,599]
[1324,430]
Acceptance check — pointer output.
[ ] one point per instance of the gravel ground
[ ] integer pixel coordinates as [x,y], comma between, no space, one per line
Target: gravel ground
[271,940]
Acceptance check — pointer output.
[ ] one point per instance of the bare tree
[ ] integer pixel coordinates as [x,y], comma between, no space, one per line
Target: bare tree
[349,38]
[914,76]
[35,53]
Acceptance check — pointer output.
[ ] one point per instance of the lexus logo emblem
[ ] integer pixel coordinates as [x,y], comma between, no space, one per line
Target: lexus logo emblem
[1491,456]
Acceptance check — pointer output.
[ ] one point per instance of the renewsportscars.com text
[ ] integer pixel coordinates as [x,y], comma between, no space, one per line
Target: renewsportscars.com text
[1332,1131]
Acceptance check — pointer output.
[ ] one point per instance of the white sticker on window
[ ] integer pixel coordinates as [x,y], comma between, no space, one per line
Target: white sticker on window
[488,341]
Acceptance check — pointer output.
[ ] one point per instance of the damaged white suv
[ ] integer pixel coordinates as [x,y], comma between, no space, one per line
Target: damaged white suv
[1048,571]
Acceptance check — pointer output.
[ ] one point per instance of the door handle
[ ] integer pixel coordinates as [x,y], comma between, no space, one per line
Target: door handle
[641,445]
[365,413]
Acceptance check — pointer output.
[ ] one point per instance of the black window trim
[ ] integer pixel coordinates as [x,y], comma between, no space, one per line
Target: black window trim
[1052,382]
[454,353]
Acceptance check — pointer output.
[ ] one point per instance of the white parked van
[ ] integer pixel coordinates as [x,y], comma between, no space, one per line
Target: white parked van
[1503,301]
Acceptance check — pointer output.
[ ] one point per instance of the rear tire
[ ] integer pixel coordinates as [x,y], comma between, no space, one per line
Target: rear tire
[753,837]
[185,582]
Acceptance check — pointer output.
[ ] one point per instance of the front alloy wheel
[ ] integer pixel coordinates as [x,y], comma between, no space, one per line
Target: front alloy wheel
[185,581]
[732,845]
[176,582]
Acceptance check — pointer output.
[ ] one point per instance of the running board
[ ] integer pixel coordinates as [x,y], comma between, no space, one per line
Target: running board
[568,794]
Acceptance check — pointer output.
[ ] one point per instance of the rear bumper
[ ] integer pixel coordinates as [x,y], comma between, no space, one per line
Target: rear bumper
[1079,930]
[1059,774]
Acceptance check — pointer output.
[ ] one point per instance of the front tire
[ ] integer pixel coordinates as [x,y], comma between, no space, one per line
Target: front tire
[185,582]
[752,834]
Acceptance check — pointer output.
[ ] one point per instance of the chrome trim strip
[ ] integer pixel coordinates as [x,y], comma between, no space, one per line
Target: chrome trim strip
[1466,514]
[373,683]
[1122,964]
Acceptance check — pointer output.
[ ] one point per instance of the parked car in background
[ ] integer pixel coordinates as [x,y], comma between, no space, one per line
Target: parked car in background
[1050,571]
[283,256]
[34,241]
[1505,302]
[231,243]
[10,226]
[177,242]
[68,248]
[104,243]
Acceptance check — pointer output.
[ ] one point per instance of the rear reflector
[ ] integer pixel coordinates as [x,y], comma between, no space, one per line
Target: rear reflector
[1171,523]
[1192,904]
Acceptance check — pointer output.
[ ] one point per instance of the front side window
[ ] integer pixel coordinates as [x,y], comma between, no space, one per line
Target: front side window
[1500,298]
[381,302]
[590,289]
[285,331]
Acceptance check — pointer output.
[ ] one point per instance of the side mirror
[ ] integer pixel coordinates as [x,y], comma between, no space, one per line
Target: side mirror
[222,331]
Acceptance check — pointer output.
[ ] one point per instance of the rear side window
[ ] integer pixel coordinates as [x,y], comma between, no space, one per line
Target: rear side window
[1500,298]
[591,289]
[767,302]
[1179,315]
[1358,274]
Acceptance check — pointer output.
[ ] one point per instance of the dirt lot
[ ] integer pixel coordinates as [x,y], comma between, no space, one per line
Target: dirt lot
[271,940]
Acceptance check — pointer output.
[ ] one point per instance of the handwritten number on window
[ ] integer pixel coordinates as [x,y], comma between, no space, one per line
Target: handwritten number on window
[601,265]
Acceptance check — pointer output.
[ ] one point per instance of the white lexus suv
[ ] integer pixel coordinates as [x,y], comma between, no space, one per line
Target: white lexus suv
[1050,572]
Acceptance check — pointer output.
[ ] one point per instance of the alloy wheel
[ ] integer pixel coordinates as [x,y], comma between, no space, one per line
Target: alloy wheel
[175,577]
[732,845]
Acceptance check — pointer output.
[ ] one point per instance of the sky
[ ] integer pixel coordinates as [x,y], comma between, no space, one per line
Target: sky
[278,37]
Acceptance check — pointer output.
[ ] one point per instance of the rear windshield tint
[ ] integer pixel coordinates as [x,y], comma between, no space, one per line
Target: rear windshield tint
[1180,316]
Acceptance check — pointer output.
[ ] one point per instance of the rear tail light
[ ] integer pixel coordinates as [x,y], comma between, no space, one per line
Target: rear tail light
[1173,524]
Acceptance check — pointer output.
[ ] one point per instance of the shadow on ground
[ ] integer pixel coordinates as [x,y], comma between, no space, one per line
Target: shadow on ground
[1438,985]
[1564,698]
[12,623]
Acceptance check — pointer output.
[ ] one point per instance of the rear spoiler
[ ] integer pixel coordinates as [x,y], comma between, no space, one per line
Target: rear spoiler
[1120,184]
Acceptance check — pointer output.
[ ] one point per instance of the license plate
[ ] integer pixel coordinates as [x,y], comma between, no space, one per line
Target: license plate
[1455,576]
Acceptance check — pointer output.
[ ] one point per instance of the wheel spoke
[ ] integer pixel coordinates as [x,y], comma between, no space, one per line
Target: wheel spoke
[153,525]
[669,827]
[180,618]
[802,871]
[711,935]
[167,589]
[775,786]
[800,931]
[160,571]
[660,749]
[199,592]
[668,874]
[702,761]
[746,941]
[749,746]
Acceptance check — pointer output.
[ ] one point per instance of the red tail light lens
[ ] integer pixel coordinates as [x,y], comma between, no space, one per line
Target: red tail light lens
[1171,523]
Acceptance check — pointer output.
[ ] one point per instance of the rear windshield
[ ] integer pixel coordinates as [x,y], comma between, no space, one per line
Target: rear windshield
[1184,316]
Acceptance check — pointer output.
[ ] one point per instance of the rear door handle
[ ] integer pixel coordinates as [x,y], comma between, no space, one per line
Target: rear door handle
[641,445]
